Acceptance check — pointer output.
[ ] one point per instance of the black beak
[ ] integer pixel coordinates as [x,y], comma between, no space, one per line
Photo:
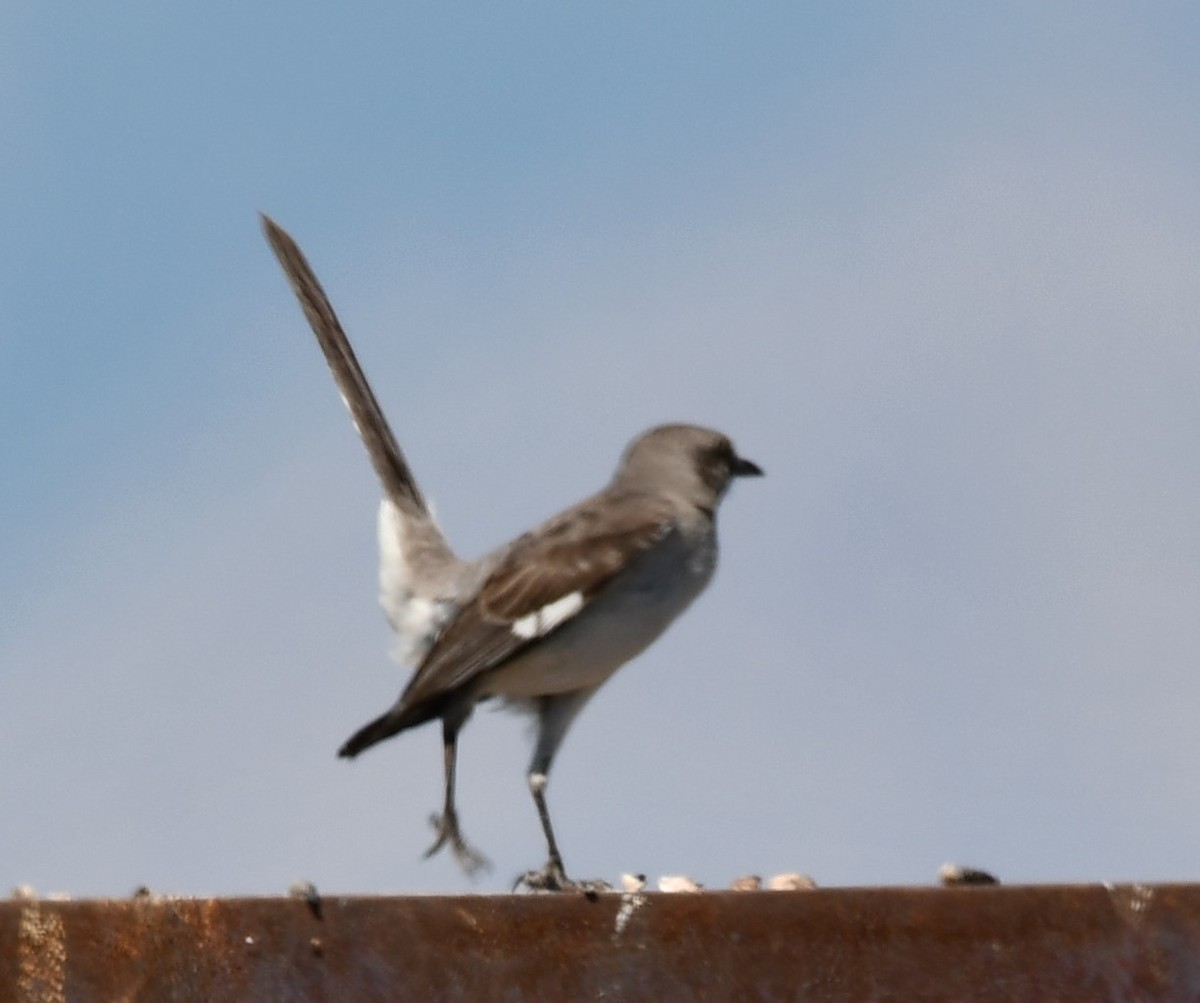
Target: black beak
[745,468]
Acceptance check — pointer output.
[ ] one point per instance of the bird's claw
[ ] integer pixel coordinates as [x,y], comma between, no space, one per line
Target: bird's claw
[469,859]
[552,878]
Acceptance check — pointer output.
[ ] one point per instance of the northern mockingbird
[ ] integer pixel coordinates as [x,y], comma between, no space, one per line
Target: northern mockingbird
[544,620]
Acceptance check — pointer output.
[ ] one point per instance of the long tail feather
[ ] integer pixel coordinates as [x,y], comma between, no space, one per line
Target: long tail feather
[386,455]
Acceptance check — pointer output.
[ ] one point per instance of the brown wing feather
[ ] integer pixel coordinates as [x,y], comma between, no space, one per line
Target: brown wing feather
[581,551]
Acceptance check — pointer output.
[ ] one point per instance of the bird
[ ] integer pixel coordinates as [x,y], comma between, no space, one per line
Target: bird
[543,621]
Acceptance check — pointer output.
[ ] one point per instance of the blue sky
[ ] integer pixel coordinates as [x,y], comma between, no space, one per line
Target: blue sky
[933,266]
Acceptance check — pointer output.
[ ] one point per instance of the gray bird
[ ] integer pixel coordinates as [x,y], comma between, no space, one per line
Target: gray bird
[543,621]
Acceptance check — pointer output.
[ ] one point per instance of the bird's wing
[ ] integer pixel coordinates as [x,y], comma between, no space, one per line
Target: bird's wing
[546,578]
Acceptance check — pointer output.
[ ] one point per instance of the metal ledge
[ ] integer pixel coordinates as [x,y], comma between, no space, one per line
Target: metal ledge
[1087,942]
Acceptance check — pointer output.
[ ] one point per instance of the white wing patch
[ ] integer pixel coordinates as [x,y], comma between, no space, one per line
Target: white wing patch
[416,619]
[544,620]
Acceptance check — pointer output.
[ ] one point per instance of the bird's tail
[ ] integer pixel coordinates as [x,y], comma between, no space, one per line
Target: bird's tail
[396,720]
[386,455]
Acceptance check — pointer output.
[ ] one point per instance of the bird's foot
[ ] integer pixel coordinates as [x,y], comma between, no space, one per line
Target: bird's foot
[446,826]
[552,878]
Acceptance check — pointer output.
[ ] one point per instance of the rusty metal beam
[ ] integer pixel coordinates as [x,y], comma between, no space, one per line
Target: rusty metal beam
[1095,943]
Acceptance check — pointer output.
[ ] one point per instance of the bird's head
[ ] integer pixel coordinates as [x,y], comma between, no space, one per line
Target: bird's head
[690,459]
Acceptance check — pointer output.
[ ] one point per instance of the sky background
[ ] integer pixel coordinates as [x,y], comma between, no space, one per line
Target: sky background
[936,267]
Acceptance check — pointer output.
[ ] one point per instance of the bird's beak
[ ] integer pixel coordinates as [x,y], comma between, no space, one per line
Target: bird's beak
[746,468]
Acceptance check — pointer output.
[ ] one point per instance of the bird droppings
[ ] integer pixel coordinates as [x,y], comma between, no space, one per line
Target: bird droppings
[631,902]
[791,882]
[957,876]
[633,882]
[678,883]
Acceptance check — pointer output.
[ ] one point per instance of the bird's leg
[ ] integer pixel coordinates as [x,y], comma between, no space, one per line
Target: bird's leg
[446,824]
[555,714]
[552,877]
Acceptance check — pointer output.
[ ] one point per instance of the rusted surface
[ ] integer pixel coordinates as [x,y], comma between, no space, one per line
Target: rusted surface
[1006,943]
